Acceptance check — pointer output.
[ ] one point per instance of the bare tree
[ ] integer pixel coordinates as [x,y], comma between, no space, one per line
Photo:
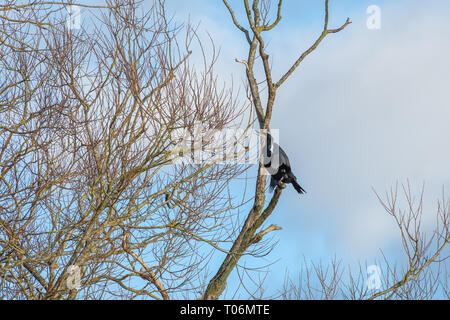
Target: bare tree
[91,204]
[422,275]
[319,281]
[258,22]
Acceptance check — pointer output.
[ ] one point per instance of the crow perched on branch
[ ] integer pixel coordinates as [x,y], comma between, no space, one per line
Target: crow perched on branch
[277,163]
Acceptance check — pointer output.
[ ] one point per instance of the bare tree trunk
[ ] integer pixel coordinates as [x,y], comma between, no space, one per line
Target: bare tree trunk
[257,19]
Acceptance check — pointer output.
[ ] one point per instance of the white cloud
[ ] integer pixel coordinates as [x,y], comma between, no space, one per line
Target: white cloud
[369,109]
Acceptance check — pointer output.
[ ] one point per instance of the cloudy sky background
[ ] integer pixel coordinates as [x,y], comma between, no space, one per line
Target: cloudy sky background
[368,109]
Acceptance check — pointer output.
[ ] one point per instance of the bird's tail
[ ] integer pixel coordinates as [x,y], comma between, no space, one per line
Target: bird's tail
[298,187]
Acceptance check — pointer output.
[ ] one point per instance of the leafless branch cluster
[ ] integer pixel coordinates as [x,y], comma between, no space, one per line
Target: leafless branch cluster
[421,275]
[86,117]
[87,181]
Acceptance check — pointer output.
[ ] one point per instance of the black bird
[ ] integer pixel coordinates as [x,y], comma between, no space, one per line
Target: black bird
[277,163]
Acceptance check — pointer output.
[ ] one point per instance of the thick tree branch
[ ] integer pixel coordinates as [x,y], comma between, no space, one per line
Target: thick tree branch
[236,23]
[245,238]
[258,237]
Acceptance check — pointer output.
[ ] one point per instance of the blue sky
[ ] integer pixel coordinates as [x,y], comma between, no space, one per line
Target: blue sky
[367,109]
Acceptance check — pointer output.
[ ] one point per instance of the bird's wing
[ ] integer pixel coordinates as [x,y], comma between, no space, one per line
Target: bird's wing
[283,158]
